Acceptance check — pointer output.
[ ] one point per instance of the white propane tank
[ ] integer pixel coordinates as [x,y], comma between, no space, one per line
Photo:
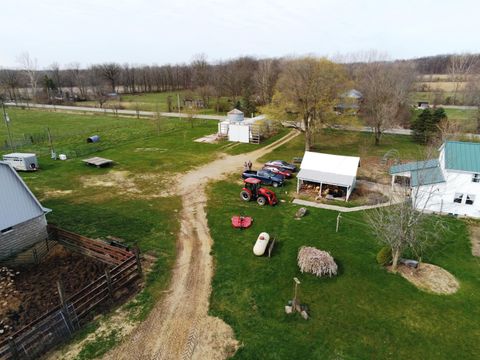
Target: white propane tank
[62,157]
[261,244]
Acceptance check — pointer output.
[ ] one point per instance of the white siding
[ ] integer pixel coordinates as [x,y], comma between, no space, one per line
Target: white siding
[240,133]
[439,197]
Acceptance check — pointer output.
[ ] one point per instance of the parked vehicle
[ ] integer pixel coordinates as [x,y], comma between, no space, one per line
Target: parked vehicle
[282,165]
[286,173]
[253,191]
[265,176]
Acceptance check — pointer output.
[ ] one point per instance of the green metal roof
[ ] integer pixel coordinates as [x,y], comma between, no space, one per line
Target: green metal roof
[463,156]
[426,177]
[413,166]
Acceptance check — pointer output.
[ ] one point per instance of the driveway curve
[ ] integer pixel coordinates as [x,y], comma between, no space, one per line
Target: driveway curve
[179,326]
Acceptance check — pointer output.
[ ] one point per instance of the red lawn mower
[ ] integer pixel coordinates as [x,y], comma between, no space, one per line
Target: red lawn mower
[253,191]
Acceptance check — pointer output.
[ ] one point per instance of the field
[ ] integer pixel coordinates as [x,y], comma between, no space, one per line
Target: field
[133,200]
[364,312]
[152,102]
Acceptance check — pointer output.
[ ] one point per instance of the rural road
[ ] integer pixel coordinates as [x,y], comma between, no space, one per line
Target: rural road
[120,112]
[179,326]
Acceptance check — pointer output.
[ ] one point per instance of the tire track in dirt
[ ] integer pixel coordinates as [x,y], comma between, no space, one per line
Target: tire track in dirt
[178,326]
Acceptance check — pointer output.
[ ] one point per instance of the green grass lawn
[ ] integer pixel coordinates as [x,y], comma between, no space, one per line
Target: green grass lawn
[135,202]
[152,102]
[363,313]
[349,143]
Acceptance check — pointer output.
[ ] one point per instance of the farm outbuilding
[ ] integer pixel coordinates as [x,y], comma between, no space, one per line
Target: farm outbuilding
[325,170]
[22,217]
[237,128]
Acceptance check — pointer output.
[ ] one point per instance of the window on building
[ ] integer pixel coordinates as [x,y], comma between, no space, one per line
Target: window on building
[458,198]
[476,178]
[470,199]
[7,230]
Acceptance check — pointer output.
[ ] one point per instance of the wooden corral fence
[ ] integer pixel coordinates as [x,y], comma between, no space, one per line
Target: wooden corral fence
[61,322]
[33,255]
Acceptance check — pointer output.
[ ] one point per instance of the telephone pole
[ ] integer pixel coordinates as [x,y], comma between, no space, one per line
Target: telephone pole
[7,124]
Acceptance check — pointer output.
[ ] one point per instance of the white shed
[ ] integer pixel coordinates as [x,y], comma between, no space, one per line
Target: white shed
[22,161]
[237,128]
[328,169]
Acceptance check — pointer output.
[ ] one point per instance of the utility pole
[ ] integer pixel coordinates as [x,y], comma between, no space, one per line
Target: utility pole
[7,124]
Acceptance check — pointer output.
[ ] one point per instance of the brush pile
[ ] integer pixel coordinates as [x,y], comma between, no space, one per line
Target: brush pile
[317,262]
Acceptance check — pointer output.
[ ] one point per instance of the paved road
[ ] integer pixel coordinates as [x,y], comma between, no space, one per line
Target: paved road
[396,131]
[112,111]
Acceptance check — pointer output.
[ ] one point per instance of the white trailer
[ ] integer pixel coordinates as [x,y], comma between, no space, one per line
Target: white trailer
[22,161]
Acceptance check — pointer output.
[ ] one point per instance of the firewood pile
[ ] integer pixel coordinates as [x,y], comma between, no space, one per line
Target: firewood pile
[317,262]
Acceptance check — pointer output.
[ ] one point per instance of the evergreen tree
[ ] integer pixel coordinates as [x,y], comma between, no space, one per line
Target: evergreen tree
[426,126]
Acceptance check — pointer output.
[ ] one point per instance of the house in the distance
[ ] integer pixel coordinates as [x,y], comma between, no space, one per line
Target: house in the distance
[449,184]
[22,217]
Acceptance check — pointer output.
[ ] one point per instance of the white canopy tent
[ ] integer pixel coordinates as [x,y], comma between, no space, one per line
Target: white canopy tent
[329,169]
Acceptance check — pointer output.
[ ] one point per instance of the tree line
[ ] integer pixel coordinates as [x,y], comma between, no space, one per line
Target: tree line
[302,90]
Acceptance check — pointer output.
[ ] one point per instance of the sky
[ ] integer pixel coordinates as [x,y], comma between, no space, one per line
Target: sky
[175,31]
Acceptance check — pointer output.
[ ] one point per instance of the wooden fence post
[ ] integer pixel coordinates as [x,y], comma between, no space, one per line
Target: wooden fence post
[13,348]
[137,259]
[64,310]
[109,283]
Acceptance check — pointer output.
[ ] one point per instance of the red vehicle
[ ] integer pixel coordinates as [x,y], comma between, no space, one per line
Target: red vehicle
[253,191]
[286,173]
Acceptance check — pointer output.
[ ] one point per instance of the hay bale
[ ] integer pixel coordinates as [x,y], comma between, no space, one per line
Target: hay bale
[317,262]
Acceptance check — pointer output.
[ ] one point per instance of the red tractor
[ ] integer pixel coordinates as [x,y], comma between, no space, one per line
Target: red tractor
[253,191]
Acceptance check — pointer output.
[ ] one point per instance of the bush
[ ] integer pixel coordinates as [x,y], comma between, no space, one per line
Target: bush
[384,256]
[317,262]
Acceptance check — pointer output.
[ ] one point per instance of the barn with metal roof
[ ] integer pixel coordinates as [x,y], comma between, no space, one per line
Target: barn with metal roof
[22,217]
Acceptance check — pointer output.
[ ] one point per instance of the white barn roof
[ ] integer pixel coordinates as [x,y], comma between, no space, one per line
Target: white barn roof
[329,169]
[17,203]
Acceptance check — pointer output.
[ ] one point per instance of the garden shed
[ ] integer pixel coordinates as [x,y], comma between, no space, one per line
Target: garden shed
[237,128]
[22,217]
[329,170]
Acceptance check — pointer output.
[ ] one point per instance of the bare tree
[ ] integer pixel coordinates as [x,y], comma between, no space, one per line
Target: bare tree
[459,68]
[111,72]
[406,226]
[385,88]
[30,69]
[10,81]
[472,97]
[307,89]
[265,78]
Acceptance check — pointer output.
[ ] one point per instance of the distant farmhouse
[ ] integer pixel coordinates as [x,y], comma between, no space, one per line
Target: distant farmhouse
[349,102]
[449,184]
[22,217]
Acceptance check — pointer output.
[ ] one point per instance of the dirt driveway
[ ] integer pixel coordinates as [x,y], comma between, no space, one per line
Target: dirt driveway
[179,326]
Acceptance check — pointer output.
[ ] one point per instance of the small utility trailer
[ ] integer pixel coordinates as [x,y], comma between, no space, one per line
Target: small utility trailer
[22,161]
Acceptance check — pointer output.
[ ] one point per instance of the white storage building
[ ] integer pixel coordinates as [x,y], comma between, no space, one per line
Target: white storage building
[328,169]
[236,128]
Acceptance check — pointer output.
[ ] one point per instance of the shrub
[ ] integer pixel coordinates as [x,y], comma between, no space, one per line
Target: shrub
[384,256]
[317,262]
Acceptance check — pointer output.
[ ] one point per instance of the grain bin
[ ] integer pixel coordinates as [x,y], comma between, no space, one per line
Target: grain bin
[235,115]
[261,244]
